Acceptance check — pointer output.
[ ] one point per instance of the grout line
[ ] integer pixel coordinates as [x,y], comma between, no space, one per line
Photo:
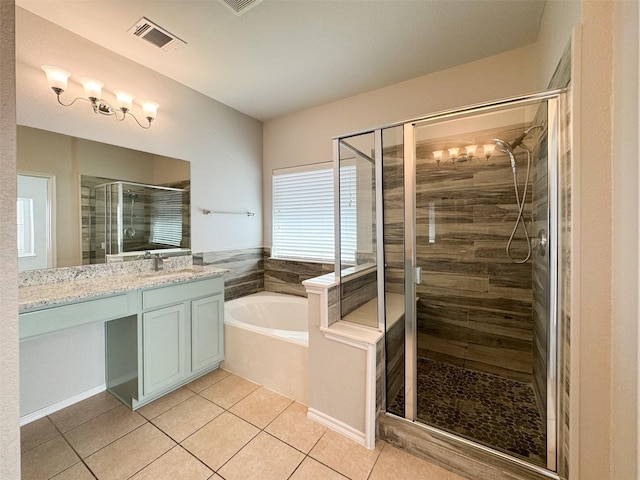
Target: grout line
[119,403]
[199,460]
[74,451]
[155,459]
[292,402]
[373,466]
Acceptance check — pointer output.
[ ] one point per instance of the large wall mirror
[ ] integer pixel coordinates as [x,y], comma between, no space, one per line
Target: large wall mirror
[62,182]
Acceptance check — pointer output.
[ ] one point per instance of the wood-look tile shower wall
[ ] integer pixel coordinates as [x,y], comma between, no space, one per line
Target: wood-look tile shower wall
[474,306]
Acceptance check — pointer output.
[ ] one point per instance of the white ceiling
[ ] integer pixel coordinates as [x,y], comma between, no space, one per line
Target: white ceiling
[287,55]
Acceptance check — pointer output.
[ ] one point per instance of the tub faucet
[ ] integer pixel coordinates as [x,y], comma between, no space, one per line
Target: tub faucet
[158,262]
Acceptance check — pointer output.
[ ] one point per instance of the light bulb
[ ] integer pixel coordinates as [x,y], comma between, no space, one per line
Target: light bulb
[453,153]
[56,77]
[471,150]
[124,100]
[488,149]
[437,155]
[92,87]
[150,110]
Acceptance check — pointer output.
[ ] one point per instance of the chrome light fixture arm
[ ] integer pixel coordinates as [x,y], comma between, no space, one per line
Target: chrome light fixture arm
[58,77]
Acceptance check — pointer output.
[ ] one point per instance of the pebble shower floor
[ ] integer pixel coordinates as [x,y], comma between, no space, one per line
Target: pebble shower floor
[495,411]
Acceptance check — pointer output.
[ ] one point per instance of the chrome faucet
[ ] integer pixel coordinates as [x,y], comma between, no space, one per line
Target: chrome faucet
[158,262]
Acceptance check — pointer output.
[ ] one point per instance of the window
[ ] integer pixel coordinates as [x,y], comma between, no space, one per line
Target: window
[166,218]
[303,227]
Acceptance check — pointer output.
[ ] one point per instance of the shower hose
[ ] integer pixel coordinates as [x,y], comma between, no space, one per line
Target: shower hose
[520,201]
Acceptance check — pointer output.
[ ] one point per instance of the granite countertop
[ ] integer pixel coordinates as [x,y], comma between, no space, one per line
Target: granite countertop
[52,294]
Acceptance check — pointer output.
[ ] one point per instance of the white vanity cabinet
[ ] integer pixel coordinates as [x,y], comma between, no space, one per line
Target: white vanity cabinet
[178,337]
[164,348]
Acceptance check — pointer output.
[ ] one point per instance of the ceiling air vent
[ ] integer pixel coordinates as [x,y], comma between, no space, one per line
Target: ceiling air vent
[241,6]
[152,33]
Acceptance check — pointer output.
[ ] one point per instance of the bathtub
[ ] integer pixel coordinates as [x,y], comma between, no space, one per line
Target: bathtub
[266,341]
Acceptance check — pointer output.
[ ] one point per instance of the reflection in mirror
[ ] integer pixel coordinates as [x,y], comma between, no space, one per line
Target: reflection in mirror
[34,222]
[77,165]
[357,217]
[130,220]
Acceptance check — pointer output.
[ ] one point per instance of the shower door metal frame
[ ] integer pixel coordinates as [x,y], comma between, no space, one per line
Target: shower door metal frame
[554,353]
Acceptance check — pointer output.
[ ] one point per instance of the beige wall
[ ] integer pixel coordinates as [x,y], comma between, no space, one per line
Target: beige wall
[9,406]
[305,137]
[625,361]
[558,18]
[223,145]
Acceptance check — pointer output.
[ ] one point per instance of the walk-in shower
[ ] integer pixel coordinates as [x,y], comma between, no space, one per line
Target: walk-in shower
[467,228]
[128,219]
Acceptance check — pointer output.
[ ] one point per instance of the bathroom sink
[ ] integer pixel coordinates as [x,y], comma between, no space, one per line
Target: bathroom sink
[170,273]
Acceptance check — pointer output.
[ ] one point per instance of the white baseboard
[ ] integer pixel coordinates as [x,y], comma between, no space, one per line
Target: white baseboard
[337,426]
[43,412]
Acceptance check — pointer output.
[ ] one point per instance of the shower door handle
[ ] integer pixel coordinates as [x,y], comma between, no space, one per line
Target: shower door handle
[417,275]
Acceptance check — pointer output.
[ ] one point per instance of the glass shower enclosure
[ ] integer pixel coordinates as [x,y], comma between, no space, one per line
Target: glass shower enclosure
[129,219]
[469,238]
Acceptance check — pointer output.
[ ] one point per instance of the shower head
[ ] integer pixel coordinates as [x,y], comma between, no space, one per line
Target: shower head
[502,145]
[505,147]
[132,195]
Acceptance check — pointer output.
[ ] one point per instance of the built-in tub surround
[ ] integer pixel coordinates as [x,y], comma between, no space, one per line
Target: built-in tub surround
[286,276]
[266,341]
[343,399]
[245,269]
[252,270]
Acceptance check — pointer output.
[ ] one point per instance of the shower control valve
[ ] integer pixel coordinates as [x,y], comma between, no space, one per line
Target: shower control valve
[540,242]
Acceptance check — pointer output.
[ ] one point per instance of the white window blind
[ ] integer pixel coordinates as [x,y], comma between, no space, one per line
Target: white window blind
[303,214]
[166,218]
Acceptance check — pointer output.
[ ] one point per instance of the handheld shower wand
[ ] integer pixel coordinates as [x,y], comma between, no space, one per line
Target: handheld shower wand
[520,202]
[508,148]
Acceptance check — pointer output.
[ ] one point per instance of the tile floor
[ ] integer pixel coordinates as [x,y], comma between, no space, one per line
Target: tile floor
[219,426]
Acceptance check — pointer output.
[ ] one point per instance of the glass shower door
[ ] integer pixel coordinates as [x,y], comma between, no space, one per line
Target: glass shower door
[481,360]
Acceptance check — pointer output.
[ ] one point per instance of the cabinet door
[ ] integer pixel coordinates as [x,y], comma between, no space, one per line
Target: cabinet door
[164,361]
[207,323]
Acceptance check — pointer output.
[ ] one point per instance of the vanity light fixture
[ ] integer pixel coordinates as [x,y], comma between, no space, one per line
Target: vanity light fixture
[463,154]
[437,156]
[57,78]
[453,153]
[488,149]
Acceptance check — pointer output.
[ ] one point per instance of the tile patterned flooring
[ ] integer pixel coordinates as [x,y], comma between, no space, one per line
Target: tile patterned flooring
[495,411]
[219,426]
